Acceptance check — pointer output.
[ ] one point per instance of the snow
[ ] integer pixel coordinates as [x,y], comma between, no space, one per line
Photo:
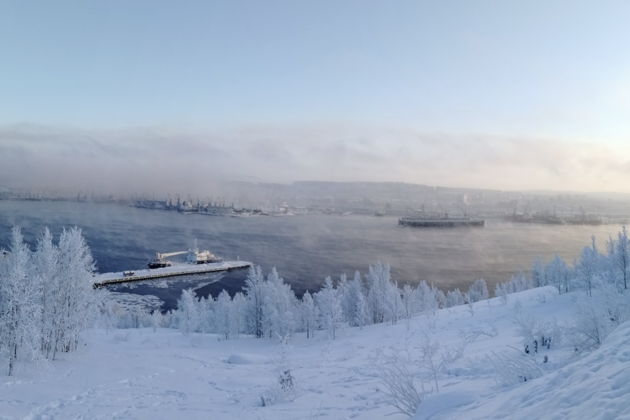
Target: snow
[594,387]
[245,359]
[147,374]
[445,404]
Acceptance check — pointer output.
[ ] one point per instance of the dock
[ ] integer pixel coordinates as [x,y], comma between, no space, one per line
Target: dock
[175,270]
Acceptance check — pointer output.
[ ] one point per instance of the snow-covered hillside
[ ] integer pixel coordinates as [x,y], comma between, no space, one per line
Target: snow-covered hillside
[147,374]
[595,387]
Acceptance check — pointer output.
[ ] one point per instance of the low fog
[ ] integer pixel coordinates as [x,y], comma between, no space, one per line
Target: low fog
[173,160]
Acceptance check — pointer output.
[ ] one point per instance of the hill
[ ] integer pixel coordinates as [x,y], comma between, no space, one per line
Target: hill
[147,374]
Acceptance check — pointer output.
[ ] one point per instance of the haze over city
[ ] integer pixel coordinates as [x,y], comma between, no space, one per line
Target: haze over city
[503,95]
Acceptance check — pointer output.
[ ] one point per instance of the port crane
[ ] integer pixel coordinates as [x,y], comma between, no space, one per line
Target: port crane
[165,255]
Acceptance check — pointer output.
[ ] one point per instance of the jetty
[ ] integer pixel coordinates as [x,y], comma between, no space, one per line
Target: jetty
[175,270]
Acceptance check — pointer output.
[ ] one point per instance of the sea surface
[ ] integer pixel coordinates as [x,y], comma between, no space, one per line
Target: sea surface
[305,249]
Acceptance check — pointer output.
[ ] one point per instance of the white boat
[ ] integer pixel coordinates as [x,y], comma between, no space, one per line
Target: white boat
[193,256]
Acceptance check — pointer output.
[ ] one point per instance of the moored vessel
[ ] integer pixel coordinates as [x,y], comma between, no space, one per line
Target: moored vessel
[422,221]
[193,256]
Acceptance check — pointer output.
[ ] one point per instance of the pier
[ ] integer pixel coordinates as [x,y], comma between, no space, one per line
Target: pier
[178,270]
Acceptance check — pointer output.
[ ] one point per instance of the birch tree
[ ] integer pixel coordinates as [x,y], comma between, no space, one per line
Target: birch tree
[19,311]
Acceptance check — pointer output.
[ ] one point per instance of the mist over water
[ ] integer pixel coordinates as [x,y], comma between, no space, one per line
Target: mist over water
[305,249]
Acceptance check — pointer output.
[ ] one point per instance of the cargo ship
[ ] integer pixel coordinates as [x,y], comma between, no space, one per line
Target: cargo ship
[553,219]
[440,222]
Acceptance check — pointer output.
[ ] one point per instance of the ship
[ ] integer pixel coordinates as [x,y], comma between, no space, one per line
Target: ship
[440,222]
[193,256]
[546,218]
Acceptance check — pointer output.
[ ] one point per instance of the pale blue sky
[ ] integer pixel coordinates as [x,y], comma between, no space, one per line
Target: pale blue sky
[533,67]
[530,70]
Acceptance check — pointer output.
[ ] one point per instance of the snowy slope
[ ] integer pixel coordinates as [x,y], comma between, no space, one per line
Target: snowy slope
[157,375]
[594,387]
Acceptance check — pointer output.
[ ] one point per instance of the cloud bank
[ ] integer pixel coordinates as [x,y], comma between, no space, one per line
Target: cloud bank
[170,160]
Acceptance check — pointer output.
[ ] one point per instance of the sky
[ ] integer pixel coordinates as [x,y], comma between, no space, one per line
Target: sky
[492,94]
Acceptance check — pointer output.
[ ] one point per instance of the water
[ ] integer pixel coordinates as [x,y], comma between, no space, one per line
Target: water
[167,291]
[305,249]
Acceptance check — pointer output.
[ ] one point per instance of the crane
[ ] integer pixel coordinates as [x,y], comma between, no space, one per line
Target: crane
[159,256]
[161,261]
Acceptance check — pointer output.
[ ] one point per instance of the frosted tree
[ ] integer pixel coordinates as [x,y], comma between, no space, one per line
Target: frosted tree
[309,314]
[520,282]
[454,298]
[517,283]
[379,285]
[427,298]
[329,308]
[558,273]
[616,303]
[408,301]
[478,291]
[383,297]
[47,281]
[538,274]
[361,316]
[343,289]
[393,304]
[354,302]
[440,296]
[76,297]
[279,303]
[224,316]
[187,312]
[588,267]
[108,311]
[502,290]
[205,309]
[19,309]
[401,385]
[255,292]
[621,256]
[156,319]
[592,324]
[239,307]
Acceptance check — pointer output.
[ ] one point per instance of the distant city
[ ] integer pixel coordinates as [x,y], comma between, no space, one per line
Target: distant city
[244,199]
